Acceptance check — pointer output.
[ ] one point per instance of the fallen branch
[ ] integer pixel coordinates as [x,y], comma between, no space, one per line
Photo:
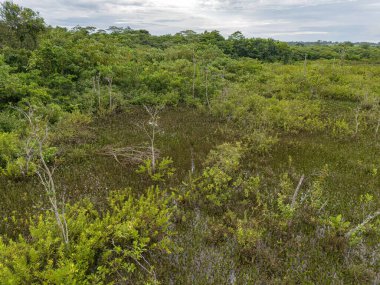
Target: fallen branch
[366,221]
[129,154]
[296,191]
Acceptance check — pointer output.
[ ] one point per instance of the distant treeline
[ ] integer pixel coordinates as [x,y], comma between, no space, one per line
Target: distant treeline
[76,67]
[22,29]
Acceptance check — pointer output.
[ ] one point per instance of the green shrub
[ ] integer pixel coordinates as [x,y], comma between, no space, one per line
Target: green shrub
[112,246]
[219,182]
[163,171]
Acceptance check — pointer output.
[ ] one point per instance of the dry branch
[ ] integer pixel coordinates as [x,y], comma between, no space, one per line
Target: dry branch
[360,226]
[129,154]
[296,191]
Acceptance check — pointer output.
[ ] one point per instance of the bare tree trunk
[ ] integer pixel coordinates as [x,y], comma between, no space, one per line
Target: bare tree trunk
[305,66]
[44,172]
[194,73]
[29,153]
[46,177]
[207,99]
[98,83]
[94,84]
[109,79]
[153,123]
[296,192]
[153,150]
[357,121]
[366,221]
[192,159]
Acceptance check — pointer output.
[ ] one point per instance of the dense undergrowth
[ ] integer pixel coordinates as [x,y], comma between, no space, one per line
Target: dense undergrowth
[127,158]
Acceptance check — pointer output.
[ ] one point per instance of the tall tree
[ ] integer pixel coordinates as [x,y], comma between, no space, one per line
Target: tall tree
[19,26]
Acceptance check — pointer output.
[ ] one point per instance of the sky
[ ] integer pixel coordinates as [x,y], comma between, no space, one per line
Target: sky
[288,20]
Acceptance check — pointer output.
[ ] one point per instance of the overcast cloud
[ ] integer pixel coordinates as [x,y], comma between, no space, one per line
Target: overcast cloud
[307,20]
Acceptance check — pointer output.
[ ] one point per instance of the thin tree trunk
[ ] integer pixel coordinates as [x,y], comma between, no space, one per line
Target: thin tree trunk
[357,121]
[192,159]
[366,221]
[153,113]
[52,194]
[194,73]
[305,66]
[207,99]
[45,174]
[153,150]
[109,79]
[296,192]
[98,83]
[94,84]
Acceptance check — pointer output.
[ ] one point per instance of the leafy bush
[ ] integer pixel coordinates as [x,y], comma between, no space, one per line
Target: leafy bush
[218,182]
[8,122]
[11,163]
[163,171]
[72,128]
[111,247]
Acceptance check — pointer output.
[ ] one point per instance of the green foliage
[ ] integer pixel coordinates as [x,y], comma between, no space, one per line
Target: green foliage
[9,146]
[15,162]
[226,157]
[162,172]
[72,128]
[217,182]
[103,247]
[249,234]
[242,217]
[261,142]
[338,224]
[8,122]
[341,128]
[20,26]
[255,112]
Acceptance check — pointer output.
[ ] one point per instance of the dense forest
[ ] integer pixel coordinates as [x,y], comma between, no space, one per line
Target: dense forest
[131,158]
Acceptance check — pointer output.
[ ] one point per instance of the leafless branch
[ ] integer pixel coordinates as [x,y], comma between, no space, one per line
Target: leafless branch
[360,226]
[296,191]
[129,154]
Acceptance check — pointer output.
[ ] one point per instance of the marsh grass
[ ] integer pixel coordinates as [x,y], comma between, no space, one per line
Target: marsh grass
[86,173]
[83,172]
[205,257]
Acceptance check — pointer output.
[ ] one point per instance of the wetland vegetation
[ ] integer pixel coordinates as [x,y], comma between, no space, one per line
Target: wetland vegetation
[128,158]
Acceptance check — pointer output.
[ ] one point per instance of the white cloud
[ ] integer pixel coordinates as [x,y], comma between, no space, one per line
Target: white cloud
[341,20]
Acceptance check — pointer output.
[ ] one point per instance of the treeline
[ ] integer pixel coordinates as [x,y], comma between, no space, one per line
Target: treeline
[20,28]
[89,69]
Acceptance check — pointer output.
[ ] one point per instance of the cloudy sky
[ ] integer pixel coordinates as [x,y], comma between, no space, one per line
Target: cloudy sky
[307,20]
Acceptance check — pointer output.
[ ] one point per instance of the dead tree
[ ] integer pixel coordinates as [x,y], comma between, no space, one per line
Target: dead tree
[37,142]
[294,198]
[151,130]
[194,72]
[129,154]
[29,148]
[28,145]
[96,87]
[376,115]
[139,154]
[45,173]
[192,159]
[305,66]
[109,80]
[368,219]
[207,99]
